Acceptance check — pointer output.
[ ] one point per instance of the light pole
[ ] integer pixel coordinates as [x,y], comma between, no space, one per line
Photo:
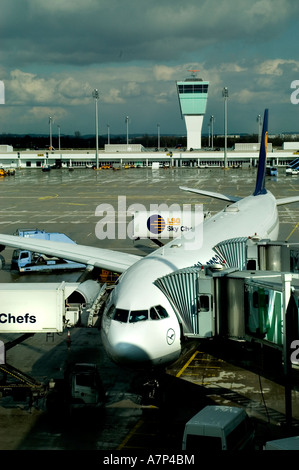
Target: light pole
[50,124]
[259,122]
[108,133]
[225,96]
[158,126]
[58,136]
[127,121]
[95,95]
[212,130]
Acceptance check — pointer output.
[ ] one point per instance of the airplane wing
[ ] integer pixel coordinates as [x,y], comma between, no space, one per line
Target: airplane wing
[224,197]
[91,256]
[287,200]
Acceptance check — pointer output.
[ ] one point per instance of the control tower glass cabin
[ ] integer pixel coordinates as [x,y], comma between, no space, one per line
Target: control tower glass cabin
[193,96]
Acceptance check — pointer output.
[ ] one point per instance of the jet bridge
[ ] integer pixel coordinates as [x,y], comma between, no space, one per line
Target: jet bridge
[191,299]
[239,305]
[253,253]
[235,302]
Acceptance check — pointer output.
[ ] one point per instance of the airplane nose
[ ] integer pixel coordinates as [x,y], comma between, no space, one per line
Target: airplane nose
[140,347]
[128,353]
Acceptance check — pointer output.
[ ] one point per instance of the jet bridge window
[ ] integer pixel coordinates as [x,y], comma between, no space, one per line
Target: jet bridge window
[204,303]
[138,315]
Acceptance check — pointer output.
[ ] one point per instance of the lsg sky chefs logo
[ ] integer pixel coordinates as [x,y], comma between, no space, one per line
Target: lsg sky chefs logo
[295,94]
[160,221]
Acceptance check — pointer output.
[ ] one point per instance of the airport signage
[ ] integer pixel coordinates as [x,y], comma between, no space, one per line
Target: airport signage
[170,224]
[34,308]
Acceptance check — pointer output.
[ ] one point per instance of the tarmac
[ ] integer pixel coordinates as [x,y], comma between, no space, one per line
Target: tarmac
[133,419]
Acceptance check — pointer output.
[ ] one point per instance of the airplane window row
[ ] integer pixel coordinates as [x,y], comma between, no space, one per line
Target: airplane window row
[132,316]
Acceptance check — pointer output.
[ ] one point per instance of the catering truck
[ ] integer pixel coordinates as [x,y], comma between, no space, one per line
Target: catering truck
[38,307]
[27,261]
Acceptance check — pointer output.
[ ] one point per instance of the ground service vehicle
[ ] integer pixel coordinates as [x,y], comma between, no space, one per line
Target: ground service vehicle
[85,386]
[27,261]
[218,428]
[288,443]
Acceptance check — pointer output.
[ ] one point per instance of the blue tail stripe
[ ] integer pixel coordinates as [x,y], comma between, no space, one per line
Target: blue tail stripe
[261,172]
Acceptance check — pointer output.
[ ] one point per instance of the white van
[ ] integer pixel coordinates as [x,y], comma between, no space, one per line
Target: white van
[218,428]
[86,388]
[288,443]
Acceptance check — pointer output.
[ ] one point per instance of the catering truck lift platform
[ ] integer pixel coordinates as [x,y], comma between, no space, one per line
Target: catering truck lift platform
[19,385]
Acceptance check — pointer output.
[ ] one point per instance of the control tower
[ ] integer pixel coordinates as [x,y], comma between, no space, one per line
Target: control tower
[193,95]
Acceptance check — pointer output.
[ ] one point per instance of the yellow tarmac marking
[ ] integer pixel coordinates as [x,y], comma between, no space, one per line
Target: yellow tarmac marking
[187,364]
[73,204]
[48,197]
[128,437]
[292,231]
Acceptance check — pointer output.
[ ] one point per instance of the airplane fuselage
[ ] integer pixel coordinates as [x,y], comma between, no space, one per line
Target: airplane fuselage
[156,340]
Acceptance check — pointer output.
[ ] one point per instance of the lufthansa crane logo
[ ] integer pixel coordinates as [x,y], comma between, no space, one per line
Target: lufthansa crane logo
[156,224]
[170,336]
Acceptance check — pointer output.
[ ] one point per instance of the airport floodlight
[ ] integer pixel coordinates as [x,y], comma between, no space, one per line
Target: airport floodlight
[50,125]
[259,122]
[96,96]
[225,96]
[58,126]
[158,127]
[127,122]
[212,119]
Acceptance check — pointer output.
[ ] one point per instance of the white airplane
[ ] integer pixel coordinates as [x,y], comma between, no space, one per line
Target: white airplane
[139,325]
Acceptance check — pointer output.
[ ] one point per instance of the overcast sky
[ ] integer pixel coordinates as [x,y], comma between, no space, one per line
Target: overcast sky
[53,53]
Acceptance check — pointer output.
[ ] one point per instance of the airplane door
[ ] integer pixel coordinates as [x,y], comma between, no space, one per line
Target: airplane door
[205,315]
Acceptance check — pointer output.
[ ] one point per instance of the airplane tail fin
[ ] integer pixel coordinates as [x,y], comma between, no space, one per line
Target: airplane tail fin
[261,172]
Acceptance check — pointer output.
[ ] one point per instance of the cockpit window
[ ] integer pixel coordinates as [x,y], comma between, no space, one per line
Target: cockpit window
[161,311]
[158,312]
[121,315]
[138,315]
[154,314]
[111,311]
[118,314]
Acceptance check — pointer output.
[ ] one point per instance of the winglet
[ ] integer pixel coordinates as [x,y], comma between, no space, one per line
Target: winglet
[261,173]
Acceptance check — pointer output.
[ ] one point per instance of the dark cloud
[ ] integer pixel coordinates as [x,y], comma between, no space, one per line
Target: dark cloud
[53,53]
[94,32]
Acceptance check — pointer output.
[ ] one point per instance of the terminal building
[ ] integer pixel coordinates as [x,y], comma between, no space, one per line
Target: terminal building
[193,96]
[117,159]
